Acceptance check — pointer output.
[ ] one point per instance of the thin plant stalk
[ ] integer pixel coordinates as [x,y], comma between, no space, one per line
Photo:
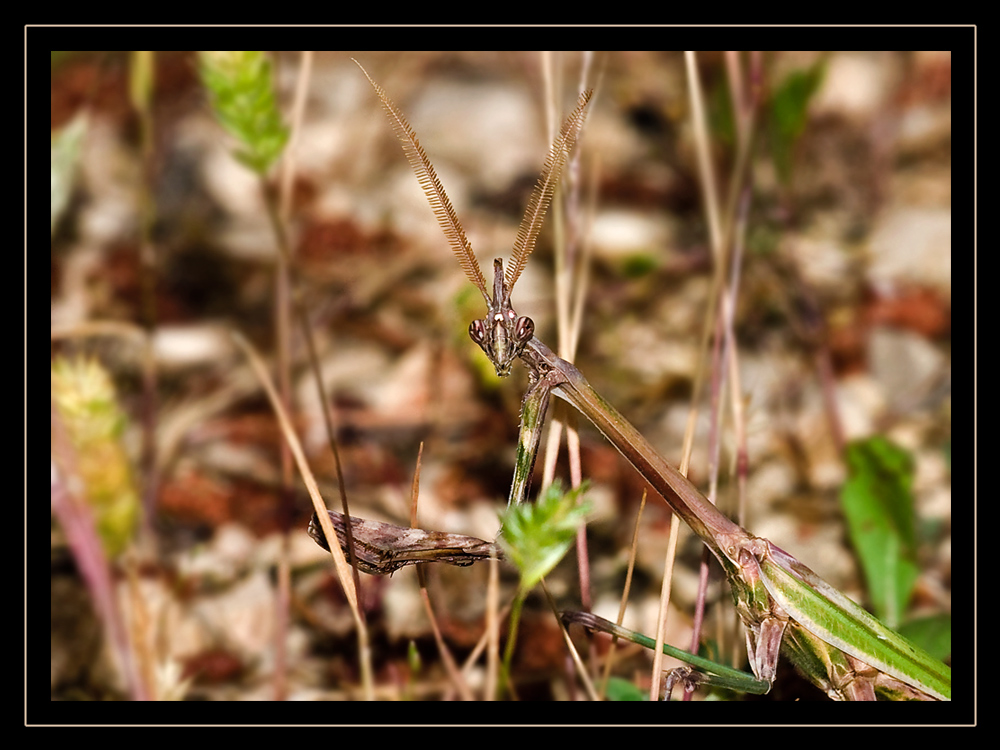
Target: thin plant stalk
[286,174]
[283,598]
[327,409]
[633,550]
[508,653]
[492,629]
[715,233]
[242,85]
[718,378]
[141,86]
[717,221]
[567,230]
[282,307]
[344,571]
[447,659]
[725,356]
[588,684]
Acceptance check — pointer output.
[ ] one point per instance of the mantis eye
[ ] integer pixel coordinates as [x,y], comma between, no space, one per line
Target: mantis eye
[477,331]
[525,329]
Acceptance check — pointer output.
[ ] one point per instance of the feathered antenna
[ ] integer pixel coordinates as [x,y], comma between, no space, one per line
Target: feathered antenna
[435,193]
[545,188]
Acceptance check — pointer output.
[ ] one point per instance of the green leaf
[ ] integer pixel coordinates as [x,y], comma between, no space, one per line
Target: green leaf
[932,634]
[413,657]
[622,690]
[537,535]
[638,265]
[878,502]
[789,109]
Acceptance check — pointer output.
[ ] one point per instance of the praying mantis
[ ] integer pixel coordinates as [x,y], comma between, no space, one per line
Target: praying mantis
[785,606]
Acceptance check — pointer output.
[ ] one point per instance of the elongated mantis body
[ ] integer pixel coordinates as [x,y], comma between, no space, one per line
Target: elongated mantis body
[784,605]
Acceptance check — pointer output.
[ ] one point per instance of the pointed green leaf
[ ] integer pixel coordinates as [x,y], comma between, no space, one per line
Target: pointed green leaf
[933,634]
[878,503]
[789,108]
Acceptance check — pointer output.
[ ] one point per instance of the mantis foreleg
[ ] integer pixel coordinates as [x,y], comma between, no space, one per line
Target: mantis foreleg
[534,406]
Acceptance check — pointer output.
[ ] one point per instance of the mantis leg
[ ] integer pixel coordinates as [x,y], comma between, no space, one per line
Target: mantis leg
[708,672]
[533,409]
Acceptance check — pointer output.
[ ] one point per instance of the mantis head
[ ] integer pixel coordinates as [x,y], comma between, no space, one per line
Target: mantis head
[502,334]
